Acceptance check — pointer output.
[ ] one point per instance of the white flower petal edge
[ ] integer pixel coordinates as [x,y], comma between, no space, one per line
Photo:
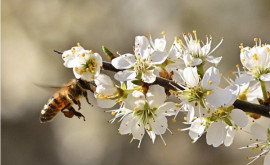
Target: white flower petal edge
[239,117]
[124,61]
[155,96]
[211,78]
[216,133]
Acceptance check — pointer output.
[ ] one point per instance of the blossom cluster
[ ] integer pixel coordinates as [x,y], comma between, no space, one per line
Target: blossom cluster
[142,106]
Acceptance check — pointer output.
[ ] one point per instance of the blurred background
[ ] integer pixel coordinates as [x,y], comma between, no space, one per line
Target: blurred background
[32,29]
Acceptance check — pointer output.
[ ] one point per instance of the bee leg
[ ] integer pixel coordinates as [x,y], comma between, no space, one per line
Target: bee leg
[85,95]
[77,102]
[68,113]
[71,112]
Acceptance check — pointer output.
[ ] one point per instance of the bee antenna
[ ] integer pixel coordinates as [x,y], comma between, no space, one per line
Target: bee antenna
[57,51]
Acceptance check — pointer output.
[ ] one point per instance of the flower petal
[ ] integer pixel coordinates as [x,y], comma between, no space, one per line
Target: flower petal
[229,136]
[135,99]
[125,75]
[211,78]
[126,124]
[167,109]
[219,97]
[155,96]
[137,128]
[239,117]
[216,133]
[103,79]
[124,61]
[158,57]
[149,76]
[190,76]
[214,60]
[265,77]
[159,124]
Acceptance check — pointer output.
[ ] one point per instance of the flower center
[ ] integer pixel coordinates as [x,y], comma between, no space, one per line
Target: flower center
[145,114]
[90,65]
[141,66]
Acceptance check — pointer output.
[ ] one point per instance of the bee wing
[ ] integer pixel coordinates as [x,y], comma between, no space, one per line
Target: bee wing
[45,86]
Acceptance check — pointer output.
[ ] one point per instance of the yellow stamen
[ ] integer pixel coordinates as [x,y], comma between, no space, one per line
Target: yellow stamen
[176,38]
[221,74]
[91,52]
[255,57]
[76,69]
[113,113]
[242,50]
[81,72]
[73,50]
[78,44]
[67,55]
[210,82]
[256,39]
[208,92]
[185,118]
[136,109]
[243,60]
[177,105]
[268,49]
[190,62]
[237,65]
[83,54]
[173,120]
[163,32]
[195,35]
[245,68]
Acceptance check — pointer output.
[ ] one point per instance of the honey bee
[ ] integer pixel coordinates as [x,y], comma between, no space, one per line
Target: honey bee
[63,100]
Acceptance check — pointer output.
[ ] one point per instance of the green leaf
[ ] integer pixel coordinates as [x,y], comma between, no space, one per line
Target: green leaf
[108,53]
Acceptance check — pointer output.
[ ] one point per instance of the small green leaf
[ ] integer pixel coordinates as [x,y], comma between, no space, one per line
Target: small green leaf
[108,53]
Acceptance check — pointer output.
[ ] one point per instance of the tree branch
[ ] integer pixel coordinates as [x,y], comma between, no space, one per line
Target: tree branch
[168,84]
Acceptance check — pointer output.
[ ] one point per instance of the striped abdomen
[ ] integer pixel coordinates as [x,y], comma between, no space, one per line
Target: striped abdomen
[54,105]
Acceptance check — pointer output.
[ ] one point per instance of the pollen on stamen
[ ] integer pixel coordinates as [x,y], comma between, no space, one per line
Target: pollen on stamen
[78,44]
[83,54]
[210,82]
[81,72]
[136,109]
[221,74]
[163,32]
[177,105]
[208,93]
[255,57]
[76,69]
[67,55]
[190,62]
[173,120]
[256,39]
[113,113]
[237,65]
[176,38]
[268,49]
[91,52]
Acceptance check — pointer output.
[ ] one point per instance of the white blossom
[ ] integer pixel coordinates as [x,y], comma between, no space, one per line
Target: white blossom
[256,60]
[262,135]
[142,113]
[194,53]
[88,65]
[141,65]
